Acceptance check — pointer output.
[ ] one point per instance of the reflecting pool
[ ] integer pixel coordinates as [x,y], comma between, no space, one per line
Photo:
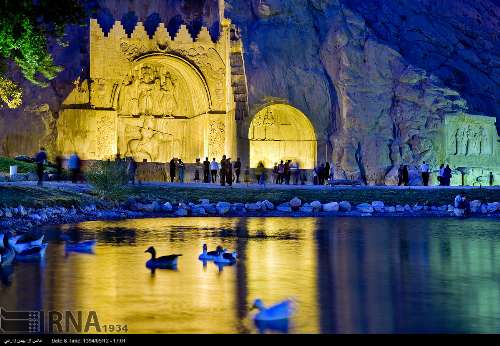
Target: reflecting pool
[346,275]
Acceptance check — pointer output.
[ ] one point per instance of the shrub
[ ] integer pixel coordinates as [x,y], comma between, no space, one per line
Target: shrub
[108,178]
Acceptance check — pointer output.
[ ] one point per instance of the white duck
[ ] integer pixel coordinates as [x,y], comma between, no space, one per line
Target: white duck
[279,311]
[24,242]
[226,258]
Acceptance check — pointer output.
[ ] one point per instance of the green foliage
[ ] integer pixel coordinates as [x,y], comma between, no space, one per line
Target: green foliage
[108,178]
[25,28]
[22,167]
[10,93]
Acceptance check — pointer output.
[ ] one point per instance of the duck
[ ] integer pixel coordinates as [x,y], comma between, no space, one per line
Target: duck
[210,255]
[24,242]
[163,262]
[279,311]
[82,246]
[226,258]
[32,254]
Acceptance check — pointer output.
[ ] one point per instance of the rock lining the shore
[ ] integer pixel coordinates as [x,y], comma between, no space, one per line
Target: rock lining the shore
[23,219]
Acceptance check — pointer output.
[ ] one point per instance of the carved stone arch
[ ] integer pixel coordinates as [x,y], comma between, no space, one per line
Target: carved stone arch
[193,93]
[282,132]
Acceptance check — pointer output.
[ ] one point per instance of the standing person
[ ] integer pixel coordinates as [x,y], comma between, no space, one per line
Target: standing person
[214,167]
[275,173]
[229,172]
[281,172]
[424,170]
[131,169]
[400,175]
[332,175]
[406,175]
[315,175]
[206,170]
[74,167]
[287,172]
[197,170]
[327,172]
[59,168]
[246,175]
[40,159]
[441,175]
[172,170]
[223,171]
[181,168]
[259,173]
[321,174]
[237,170]
[447,175]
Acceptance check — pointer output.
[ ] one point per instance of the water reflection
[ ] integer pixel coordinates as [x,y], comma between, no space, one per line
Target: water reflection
[346,275]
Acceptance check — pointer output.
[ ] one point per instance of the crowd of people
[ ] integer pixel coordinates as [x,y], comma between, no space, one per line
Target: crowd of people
[444,175]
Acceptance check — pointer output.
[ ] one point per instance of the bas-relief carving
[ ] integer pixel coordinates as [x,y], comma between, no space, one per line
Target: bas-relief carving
[470,140]
[216,139]
[102,92]
[153,89]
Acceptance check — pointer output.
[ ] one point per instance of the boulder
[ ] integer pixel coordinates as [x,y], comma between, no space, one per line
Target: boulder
[475,206]
[365,208]
[417,207]
[253,207]
[484,209]
[295,203]
[493,207]
[316,205]
[458,212]
[306,208]
[285,207]
[400,208]
[181,212]
[378,206]
[204,201]
[332,207]
[345,206]
[407,208]
[223,207]
[390,209]
[198,210]
[167,207]
[268,205]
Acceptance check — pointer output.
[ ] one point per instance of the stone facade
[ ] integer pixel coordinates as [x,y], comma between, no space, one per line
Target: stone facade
[152,98]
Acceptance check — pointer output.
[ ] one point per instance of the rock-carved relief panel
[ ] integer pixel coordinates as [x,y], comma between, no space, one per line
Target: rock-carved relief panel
[216,139]
[154,90]
[470,140]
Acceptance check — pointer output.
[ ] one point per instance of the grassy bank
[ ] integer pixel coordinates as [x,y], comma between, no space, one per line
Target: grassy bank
[22,167]
[13,195]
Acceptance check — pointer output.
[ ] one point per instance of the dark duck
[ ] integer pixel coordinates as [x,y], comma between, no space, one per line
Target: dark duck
[163,262]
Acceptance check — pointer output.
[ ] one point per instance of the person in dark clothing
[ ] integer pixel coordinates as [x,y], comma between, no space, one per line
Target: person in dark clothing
[131,169]
[321,174]
[237,170]
[447,175]
[286,172]
[229,172]
[59,168]
[197,167]
[327,172]
[406,175]
[172,170]
[281,172]
[223,171]
[40,159]
[206,170]
[400,175]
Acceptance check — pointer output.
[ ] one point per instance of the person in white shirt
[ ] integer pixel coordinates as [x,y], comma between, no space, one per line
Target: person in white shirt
[214,167]
[424,170]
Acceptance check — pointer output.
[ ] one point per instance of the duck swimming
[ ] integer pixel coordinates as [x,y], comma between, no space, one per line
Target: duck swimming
[226,258]
[210,255]
[163,262]
[280,311]
[32,254]
[86,246]
[24,242]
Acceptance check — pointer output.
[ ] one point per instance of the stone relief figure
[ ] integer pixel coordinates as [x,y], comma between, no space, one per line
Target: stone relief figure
[485,142]
[216,139]
[462,140]
[146,142]
[149,90]
[128,104]
[470,139]
[474,141]
[261,125]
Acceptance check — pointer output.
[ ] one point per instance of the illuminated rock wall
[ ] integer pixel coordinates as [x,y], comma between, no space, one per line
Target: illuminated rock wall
[152,98]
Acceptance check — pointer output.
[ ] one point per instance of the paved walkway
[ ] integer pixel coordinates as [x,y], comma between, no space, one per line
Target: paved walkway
[85,187]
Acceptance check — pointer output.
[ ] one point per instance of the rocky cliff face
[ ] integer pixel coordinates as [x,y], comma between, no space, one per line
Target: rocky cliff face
[376,78]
